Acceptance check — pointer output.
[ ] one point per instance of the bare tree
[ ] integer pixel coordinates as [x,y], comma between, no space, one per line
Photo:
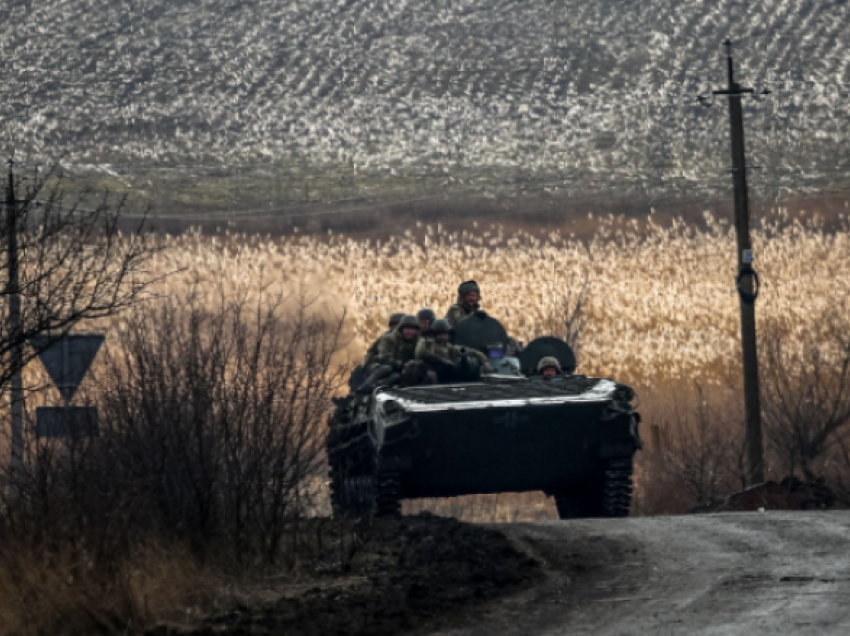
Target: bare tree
[72,262]
[806,389]
[702,452]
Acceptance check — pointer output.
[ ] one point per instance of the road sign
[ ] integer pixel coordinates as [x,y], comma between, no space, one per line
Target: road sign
[66,421]
[68,359]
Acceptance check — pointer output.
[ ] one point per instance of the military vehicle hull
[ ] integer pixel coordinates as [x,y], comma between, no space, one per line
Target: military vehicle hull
[572,438]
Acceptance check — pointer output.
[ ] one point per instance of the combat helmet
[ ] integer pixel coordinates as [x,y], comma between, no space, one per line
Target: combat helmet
[426,313]
[468,286]
[396,318]
[409,321]
[549,361]
[441,326]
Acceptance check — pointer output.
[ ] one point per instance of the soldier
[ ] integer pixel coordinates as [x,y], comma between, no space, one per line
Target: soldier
[394,351]
[441,355]
[426,316]
[372,351]
[549,368]
[468,297]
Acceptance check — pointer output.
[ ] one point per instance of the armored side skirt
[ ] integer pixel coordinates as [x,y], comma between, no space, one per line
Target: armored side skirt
[541,447]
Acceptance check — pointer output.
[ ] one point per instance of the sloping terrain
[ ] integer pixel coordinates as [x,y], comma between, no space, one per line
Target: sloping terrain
[784,573]
[419,570]
[484,96]
[777,573]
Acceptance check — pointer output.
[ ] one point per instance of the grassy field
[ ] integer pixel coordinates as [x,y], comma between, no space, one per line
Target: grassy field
[661,300]
[661,309]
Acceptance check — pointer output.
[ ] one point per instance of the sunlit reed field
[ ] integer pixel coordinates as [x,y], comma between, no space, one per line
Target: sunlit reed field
[661,303]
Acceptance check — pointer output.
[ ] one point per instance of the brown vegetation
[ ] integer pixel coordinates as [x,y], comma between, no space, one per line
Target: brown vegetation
[205,471]
[208,473]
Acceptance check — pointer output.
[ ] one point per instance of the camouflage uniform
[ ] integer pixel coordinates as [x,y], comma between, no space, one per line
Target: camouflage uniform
[460,311]
[372,351]
[437,353]
[393,353]
[441,358]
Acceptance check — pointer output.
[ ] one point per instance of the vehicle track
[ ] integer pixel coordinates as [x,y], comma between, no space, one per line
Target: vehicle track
[733,573]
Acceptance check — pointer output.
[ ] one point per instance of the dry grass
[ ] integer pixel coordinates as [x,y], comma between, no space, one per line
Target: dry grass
[662,300]
[662,306]
[661,311]
[48,592]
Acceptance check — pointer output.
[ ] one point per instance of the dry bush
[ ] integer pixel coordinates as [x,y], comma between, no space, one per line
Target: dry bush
[219,418]
[695,455]
[806,392]
[48,591]
[208,463]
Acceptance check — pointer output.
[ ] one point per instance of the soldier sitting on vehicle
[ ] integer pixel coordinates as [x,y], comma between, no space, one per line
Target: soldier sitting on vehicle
[549,368]
[441,356]
[372,351]
[394,351]
[426,317]
[468,297]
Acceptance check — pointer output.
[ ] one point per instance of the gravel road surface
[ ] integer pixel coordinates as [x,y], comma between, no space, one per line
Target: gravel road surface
[737,573]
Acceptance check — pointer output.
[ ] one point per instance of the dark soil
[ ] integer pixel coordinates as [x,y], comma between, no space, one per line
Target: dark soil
[410,572]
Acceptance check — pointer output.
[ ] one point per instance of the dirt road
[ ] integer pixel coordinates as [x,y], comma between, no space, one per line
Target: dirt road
[737,573]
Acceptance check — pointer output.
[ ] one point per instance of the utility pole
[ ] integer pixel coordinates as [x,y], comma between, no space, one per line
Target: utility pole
[747,281]
[16,352]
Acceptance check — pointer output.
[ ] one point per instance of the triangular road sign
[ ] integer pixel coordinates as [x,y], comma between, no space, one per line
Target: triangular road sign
[68,359]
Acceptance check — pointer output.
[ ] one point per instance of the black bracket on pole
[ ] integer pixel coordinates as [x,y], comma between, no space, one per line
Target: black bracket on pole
[748,297]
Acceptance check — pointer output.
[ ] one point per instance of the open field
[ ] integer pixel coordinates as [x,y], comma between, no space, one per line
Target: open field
[225,105]
[661,310]
[661,301]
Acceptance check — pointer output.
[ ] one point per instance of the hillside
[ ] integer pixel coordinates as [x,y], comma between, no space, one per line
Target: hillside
[351,99]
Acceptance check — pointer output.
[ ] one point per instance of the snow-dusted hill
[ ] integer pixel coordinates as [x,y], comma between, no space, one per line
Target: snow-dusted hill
[556,93]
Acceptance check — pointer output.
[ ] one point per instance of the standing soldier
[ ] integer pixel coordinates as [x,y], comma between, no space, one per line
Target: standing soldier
[372,351]
[394,351]
[440,355]
[468,297]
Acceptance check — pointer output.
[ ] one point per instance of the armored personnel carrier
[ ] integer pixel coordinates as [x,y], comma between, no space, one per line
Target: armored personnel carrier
[573,437]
